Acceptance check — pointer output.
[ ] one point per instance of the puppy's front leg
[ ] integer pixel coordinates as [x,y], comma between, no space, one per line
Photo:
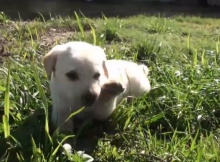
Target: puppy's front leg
[106,103]
[110,90]
[59,117]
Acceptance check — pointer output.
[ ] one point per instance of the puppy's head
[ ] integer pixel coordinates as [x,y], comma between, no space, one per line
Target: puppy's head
[77,70]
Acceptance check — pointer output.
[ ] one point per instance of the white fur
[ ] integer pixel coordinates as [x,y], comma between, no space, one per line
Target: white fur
[125,79]
[132,77]
[66,94]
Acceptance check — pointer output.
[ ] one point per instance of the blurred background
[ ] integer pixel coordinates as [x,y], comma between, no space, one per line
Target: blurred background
[28,9]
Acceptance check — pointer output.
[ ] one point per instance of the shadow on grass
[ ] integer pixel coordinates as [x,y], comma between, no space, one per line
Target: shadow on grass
[34,126]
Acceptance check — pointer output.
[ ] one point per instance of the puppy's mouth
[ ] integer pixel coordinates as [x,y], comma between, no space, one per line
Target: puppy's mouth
[89,98]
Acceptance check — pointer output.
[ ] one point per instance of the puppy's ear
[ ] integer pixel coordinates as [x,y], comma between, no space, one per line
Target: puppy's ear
[105,69]
[49,62]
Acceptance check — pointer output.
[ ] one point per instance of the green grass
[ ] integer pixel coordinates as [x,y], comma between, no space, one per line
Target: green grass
[177,121]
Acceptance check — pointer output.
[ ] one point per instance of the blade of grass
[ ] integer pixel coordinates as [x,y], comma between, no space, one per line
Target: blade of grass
[44,100]
[51,159]
[31,35]
[195,58]
[203,58]
[37,153]
[20,157]
[217,46]
[42,17]
[79,24]
[93,35]
[188,42]
[74,113]
[6,125]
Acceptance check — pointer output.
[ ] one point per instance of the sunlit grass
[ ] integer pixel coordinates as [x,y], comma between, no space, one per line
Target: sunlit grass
[177,121]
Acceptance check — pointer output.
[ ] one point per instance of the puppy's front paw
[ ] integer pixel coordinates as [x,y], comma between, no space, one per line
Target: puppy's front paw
[112,88]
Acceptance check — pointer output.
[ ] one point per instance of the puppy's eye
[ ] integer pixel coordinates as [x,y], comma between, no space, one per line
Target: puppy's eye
[96,76]
[72,75]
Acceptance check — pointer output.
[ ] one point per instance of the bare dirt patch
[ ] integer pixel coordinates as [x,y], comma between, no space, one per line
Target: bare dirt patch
[53,35]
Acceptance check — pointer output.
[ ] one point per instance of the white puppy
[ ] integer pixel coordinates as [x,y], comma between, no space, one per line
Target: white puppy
[128,79]
[76,73]
[79,76]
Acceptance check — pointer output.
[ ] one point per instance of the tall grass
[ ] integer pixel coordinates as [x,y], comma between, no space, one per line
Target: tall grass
[5,117]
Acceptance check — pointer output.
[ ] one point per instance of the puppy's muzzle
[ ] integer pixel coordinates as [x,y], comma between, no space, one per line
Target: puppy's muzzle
[89,98]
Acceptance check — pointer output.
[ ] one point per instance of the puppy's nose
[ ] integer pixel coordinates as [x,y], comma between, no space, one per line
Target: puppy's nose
[89,98]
